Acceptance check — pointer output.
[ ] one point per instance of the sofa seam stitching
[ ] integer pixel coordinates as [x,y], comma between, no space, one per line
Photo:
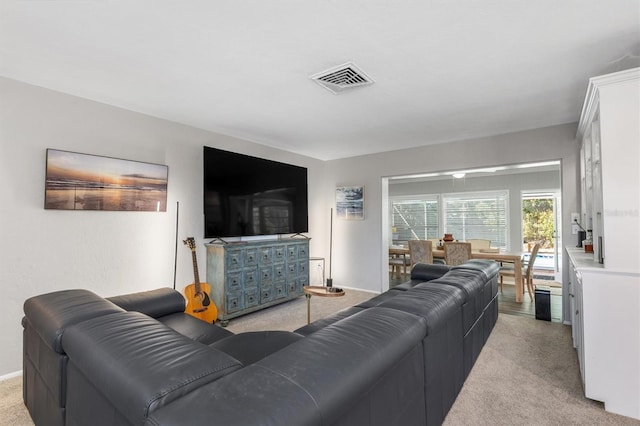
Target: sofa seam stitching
[159,395]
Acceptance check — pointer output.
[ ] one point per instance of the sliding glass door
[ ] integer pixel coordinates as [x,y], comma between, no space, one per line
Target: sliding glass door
[541,224]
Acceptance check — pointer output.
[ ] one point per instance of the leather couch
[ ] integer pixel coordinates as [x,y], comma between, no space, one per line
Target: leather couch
[398,358]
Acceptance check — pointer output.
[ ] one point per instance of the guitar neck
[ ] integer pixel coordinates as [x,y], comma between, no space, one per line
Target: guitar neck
[196,276]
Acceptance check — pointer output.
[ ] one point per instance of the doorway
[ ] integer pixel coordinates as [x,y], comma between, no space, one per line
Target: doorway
[520,181]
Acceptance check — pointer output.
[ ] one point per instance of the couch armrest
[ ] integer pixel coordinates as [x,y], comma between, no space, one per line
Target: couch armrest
[428,271]
[155,303]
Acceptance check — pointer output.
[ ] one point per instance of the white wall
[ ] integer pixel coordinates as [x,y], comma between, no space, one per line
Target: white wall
[106,252]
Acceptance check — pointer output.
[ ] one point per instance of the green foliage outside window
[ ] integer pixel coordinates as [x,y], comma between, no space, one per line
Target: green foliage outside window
[537,221]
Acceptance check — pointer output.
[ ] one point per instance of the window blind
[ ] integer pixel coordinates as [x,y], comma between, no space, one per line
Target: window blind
[478,215]
[415,219]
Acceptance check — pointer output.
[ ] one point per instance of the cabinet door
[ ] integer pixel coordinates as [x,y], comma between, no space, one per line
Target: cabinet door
[280,290]
[251,258]
[579,317]
[279,272]
[303,251]
[266,255]
[266,293]
[292,270]
[250,278]
[292,252]
[251,298]
[266,275]
[233,281]
[572,309]
[233,259]
[233,302]
[279,254]
[303,267]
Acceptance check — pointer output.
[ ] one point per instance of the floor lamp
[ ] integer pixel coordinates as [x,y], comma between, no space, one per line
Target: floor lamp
[330,280]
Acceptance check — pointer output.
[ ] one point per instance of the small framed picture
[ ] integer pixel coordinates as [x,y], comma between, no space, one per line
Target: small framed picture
[350,202]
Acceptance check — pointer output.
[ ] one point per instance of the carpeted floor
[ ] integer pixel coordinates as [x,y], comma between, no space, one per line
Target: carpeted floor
[527,373]
[12,409]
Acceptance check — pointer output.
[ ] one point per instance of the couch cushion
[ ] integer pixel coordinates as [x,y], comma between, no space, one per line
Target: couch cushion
[139,364]
[195,328]
[313,381]
[322,323]
[435,307]
[375,301]
[489,268]
[253,346]
[435,287]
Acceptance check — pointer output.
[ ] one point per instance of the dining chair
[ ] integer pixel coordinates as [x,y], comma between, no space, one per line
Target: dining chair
[527,272]
[420,251]
[398,265]
[479,244]
[456,253]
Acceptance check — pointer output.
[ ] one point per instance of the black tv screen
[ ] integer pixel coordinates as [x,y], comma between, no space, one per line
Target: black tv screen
[248,196]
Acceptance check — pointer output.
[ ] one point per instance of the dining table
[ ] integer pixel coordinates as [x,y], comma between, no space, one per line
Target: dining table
[491,254]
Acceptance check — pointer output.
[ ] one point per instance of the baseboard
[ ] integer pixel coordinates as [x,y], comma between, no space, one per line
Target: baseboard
[11,375]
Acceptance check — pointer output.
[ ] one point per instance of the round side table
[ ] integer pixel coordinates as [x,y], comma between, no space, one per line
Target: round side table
[316,290]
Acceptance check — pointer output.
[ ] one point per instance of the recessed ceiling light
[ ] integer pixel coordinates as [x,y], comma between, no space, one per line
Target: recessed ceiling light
[542,164]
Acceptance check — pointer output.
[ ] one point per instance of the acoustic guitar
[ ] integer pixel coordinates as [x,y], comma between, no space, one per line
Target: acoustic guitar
[199,304]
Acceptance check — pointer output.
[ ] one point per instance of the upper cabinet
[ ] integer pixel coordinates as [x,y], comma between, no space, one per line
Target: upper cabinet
[609,130]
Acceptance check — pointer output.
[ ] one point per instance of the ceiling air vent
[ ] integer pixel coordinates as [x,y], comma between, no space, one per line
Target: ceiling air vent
[341,78]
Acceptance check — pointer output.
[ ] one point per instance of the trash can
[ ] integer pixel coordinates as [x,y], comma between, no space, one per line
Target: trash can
[543,303]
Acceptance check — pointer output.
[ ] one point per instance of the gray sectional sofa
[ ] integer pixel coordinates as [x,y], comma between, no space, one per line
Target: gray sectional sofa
[399,358]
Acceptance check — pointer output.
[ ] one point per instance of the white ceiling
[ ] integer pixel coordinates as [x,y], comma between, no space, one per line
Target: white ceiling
[444,69]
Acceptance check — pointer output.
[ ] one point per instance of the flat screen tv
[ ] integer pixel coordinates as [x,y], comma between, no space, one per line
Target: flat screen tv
[249,196]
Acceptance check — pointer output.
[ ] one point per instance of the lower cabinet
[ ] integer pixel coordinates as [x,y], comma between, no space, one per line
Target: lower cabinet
[248,276]
[577,327]
[605,321]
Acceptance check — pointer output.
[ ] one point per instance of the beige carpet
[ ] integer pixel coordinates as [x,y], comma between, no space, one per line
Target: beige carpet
[12,409]
[527,374]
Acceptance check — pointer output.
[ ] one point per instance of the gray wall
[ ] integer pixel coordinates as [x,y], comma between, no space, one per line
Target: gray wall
[106,252]
[360,257]
[119,252]
[514,183]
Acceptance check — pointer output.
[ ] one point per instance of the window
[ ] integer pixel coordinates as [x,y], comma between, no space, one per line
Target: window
[474,215]
[482,215]
[415,218]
